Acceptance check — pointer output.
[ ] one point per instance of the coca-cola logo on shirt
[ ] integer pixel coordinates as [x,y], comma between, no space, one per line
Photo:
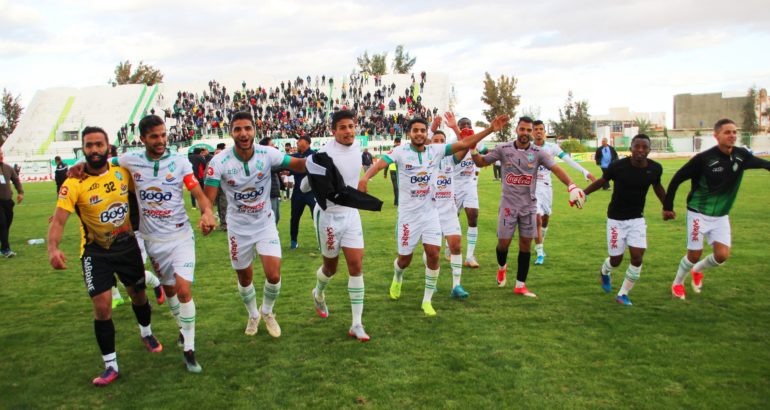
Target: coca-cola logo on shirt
[514,179]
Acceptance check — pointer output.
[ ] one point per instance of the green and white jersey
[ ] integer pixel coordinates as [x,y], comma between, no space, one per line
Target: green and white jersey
[246,185]
[159,191]
[443,189]
[415,170]
[715,177]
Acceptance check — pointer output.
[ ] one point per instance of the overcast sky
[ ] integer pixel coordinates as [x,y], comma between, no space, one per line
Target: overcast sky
[612,53]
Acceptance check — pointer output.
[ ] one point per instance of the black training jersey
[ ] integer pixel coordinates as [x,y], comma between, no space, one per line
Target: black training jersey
[715,177]
[631,186]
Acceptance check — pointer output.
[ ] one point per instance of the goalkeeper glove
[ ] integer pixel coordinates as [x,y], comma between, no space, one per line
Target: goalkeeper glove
[576,196]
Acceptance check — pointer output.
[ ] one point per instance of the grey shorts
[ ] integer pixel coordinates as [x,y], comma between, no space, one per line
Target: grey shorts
[508,219]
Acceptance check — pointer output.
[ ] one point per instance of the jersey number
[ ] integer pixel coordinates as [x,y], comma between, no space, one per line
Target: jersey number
[109,187]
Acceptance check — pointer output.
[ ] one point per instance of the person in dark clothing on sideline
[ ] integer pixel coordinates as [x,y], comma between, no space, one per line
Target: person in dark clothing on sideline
[60,173]
[604,156]
[299,199]
[275,183]
[394,173]
[8,176]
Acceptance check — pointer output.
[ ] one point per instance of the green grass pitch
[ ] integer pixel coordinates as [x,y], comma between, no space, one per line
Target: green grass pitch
[573,347]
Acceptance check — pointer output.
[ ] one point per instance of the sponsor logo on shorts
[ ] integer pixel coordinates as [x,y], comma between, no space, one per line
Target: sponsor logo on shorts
[405,235]
[155,265]
[233,249]
[249,194]
[515,179]
[695,234]
[88,273]
[154,196]
[329,238]
[507,212]
[614,237]
[115,214]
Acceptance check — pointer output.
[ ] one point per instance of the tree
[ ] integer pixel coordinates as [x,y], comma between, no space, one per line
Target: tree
[10,113]
[402,62]
[364,62]
[750,123]
[645,127]
[574,120]
[144,74]
[379,64]
[501,98]
[531,112]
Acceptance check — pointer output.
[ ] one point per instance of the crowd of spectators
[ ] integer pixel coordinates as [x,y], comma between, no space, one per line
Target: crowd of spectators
[294,108]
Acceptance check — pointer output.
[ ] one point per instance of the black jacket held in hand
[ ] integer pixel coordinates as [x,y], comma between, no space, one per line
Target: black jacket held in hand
[330,186]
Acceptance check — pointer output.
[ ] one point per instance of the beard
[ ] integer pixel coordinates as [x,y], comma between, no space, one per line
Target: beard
[95,163]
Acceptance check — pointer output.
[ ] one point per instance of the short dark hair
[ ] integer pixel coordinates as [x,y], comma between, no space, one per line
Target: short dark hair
[243,115]
[464,119]
[537,122]
[57,158]
[641,137]
[525,119]
[305,138]
[416,120]
[197,151]
[724,121]
[149,122]
[221,145]
[397,139]
[93,130]
[288,144]
[440,132]
[263,141]
[342,115]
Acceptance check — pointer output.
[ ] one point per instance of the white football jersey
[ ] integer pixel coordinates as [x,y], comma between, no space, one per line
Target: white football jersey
[159,191]
[543,173]
[465,173]
[347,159]
[246,185]
[443,190]
[415,170]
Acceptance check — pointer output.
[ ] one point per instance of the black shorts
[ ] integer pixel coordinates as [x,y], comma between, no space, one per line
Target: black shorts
[99,268]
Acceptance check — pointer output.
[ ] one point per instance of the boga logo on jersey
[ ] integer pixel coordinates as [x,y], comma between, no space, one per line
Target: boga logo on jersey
[249,194]
[422,179]
[115,214]
[154,196]
[443,183]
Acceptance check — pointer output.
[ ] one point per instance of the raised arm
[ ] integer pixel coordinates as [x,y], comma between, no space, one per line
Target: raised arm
[474,139]
[571,162]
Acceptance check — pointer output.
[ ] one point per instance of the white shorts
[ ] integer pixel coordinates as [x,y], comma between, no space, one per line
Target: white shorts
[411,230]
[172,257]
[544,196]
[467,197]
[448,220]
[338,229]
[242,247]
[717,228]
[631,232]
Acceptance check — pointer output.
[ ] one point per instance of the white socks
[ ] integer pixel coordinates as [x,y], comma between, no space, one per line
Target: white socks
[684,268]
[271,292]
[356,293]
[456,262]
[187,320]
[249,298]
[431,277]
[473,234]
